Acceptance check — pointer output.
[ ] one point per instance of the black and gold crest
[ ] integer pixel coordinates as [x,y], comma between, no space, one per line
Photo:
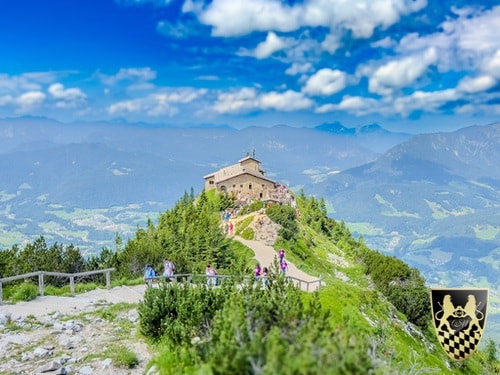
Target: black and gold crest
[459,317]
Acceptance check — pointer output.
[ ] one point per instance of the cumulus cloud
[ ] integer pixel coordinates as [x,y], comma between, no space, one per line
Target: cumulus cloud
[357,105]
[66,98]
[325,82]
[466,42]
[299,68]
[477,84]
[157,104]
[400,73]
[231,18]
[129,74]
[29,100]
[491,64]
[272,44]
[249,99]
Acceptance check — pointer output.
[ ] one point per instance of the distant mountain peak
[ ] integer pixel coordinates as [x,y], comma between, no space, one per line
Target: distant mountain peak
[335,127]
[371,128]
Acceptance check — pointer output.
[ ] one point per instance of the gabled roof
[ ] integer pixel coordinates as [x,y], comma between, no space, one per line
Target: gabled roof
[234,171]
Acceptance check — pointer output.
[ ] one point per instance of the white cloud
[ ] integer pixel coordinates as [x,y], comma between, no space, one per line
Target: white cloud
[400,73]
[29,100]
[67,98]
[422,100]
[129,74]
[354,104]
[231,18]
[272,44]
[298,68]
[326,82]
[475,85]
[331,43]
[58,91]
[15,84]
[386,42]
[491,65]
[287,101]
[157,104]
[464,43]
[249,99]
[403,106]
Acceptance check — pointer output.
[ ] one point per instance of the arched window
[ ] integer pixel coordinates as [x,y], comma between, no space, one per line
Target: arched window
[249,186]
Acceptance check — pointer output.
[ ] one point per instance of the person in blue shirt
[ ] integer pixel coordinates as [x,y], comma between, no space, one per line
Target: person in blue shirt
[149,275]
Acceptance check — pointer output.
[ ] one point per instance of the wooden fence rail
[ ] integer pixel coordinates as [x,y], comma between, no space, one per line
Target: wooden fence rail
[71,276]
[217,279]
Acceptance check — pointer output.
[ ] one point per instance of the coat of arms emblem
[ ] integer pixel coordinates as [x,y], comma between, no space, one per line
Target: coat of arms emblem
[459,317]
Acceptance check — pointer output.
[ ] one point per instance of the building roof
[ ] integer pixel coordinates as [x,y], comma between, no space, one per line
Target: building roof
[235,170]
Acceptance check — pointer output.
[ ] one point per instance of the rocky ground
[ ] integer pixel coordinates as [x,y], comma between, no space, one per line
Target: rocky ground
[100,339]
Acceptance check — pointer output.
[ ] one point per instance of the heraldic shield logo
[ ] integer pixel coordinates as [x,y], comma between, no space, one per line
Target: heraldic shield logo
[459,317]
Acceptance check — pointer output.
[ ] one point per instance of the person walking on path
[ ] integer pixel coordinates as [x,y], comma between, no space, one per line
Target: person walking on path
[283,266]
[257,272]
[281,255]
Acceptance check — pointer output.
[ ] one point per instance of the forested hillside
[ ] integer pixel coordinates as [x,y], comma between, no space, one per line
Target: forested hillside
[373,314]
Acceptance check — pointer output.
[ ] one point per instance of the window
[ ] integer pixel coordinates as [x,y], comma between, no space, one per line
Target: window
[249,186]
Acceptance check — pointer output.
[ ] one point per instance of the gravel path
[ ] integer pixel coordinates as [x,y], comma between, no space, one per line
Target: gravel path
[265,255]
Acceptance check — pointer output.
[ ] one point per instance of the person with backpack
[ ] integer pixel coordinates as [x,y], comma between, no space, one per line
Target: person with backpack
[149,275]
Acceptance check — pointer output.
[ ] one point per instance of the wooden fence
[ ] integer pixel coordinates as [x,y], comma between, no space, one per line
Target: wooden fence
[190,278]
[70,276]
[218,279]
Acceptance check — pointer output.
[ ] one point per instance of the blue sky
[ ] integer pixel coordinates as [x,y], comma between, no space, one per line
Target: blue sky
[409,65]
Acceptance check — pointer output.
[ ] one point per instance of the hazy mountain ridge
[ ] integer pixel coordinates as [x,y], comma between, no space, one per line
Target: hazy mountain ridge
[417,196]
[432,201]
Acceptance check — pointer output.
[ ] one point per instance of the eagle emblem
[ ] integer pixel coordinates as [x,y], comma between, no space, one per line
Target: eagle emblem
[459,317]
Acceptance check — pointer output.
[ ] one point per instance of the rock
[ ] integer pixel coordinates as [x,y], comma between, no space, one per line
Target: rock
[107,362]
[41,352]
[4,319]
[87,370]
[52,366]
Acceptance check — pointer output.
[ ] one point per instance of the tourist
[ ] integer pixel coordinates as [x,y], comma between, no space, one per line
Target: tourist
[281,255]
[149,275]
[211,274]
[257,271]
[283,267]
[265,273]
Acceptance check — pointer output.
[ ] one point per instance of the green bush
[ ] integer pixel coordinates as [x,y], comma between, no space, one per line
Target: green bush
[286,217]
[25,292]
[179,312]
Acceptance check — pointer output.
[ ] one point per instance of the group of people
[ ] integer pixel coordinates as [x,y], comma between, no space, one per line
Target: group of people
[168,272]
[211,272]
[262,273]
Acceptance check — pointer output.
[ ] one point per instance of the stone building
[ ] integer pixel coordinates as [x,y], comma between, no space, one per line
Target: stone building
[245,180]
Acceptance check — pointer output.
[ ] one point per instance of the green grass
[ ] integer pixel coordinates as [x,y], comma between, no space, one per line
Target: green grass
[243,224]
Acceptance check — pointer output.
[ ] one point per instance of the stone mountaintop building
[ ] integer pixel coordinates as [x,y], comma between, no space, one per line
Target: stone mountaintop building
[245,181]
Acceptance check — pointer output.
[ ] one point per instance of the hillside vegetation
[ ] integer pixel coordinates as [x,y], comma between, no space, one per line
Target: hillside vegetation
[372,316]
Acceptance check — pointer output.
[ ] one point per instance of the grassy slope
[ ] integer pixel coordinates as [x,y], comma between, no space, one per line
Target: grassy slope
[356,306]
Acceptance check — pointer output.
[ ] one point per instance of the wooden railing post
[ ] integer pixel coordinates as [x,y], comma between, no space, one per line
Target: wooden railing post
[72,285]
[40,283]
[108,279]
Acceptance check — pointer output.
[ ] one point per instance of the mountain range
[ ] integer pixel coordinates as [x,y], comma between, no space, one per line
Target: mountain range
[430,199]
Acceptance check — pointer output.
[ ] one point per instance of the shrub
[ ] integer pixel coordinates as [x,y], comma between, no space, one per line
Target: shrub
[25,292]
